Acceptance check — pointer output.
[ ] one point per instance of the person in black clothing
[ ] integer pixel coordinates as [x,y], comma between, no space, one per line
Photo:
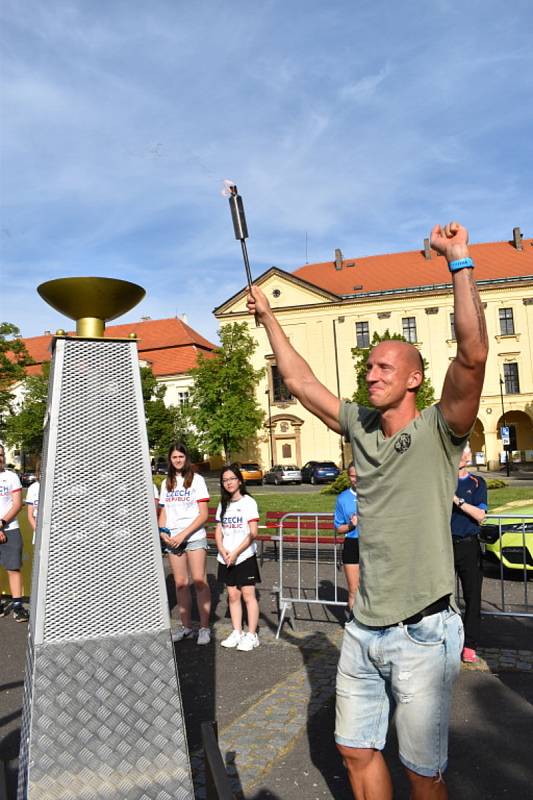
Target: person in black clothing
[468,512]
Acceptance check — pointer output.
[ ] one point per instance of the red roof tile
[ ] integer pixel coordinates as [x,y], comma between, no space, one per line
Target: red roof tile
[169,345]
[173,360]
[493,260]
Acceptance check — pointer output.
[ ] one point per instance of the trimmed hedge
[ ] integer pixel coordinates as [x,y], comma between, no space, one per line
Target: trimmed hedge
[339,485]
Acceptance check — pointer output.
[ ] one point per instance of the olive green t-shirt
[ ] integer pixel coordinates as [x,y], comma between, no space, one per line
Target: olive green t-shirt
[405,488]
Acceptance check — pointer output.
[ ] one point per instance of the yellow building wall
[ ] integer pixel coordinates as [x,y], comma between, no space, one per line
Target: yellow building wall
[309,319]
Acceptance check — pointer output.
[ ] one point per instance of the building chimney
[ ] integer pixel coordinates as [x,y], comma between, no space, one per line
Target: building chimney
[427,250]
[338,258]
[517,238]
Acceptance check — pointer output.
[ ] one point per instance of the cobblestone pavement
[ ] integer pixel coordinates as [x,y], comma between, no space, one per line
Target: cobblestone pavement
[266,732]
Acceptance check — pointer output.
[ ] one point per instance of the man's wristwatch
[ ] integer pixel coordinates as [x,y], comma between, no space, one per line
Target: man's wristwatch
[461,502]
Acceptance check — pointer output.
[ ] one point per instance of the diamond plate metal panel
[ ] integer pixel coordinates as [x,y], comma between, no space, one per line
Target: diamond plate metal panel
[26,721]
[106,721]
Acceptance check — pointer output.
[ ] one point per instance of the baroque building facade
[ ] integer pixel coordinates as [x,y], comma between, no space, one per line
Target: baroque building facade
[327,309]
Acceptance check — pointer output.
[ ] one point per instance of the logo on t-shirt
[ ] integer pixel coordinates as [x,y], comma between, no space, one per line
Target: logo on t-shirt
[235,521]
[403,443]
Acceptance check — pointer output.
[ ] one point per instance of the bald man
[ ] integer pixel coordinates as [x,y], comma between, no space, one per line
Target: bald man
[404,640]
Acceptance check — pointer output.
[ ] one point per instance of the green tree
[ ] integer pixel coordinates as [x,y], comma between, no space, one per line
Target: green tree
[166,424]
[185,431]
[159,418]
[222,404]
[425,395]
[24,427]
[13,358]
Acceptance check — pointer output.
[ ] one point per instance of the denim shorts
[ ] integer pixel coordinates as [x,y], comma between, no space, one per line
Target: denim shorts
[197,544]
[408,669]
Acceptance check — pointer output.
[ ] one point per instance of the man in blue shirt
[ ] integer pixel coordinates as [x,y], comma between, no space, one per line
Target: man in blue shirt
[468,512]
[346,525]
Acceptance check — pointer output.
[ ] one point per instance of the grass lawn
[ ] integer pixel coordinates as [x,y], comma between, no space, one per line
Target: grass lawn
[296,502]
[287,501]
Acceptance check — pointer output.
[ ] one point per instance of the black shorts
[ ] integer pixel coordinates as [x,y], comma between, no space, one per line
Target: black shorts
[350,551]
[11,551]
[244,574]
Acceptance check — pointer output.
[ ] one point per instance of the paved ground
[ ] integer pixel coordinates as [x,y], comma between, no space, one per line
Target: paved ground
[275,707]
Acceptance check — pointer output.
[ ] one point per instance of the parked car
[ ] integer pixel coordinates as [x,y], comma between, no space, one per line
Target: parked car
[283,473]
[252,473]
[509,548]
[27,478]
[319,472]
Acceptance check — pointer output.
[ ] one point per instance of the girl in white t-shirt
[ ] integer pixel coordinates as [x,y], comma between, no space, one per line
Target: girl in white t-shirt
[32,502]
[184,512]
[237,517]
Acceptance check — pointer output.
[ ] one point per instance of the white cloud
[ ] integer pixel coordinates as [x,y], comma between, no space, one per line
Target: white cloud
[364,89]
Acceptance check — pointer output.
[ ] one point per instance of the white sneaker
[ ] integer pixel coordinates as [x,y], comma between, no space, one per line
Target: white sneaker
[181,633]
[233,639]
[248,642]
[204,636]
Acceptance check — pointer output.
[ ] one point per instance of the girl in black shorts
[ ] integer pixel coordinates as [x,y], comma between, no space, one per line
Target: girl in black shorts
[237,517]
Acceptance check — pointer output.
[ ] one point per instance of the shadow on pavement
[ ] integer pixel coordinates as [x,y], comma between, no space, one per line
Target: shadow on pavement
[490,737]
[196,669]
[319,657]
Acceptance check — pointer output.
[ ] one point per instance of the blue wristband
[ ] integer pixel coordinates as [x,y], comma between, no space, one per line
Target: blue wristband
[462,263]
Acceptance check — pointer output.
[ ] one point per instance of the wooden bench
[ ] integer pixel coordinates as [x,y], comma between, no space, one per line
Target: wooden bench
[294,524]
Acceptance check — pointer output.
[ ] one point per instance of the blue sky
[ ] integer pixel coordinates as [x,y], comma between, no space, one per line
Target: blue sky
[359,123]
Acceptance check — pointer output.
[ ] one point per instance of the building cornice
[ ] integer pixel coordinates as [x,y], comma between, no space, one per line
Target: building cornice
[438,290]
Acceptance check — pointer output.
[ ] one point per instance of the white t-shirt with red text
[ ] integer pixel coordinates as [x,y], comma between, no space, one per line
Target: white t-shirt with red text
[235,526]
[9,484]
[32,497]
[181,505]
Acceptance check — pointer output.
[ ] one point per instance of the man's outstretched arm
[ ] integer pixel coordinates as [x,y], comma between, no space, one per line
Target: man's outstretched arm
[299,378]
[464,380]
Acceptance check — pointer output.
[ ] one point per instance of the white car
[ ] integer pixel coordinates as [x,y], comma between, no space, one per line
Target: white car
[283,473]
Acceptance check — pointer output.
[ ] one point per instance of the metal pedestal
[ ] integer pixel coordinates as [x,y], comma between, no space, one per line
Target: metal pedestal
[102,713]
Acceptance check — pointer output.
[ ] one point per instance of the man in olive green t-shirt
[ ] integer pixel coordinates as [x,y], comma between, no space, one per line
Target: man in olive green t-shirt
[405,638]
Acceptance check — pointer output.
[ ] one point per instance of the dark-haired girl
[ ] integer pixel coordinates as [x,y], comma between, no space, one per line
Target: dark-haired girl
[184,498]
[237,517]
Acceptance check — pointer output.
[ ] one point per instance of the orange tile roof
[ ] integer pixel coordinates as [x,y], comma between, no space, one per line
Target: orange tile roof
[493,260]
[169,345]
[173,360]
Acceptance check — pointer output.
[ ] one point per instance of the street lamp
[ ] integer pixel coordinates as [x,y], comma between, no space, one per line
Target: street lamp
[270,430]
[506,447]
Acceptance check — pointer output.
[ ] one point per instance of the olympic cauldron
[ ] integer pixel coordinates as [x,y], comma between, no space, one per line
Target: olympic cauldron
[102,712]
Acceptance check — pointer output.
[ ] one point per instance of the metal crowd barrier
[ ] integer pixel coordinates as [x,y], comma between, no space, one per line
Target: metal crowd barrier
[307,592]
[290,527]
[524,529]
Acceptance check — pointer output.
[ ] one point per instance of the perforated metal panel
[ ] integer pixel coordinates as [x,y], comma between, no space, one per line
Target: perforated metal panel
[100,501]
[102,711]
